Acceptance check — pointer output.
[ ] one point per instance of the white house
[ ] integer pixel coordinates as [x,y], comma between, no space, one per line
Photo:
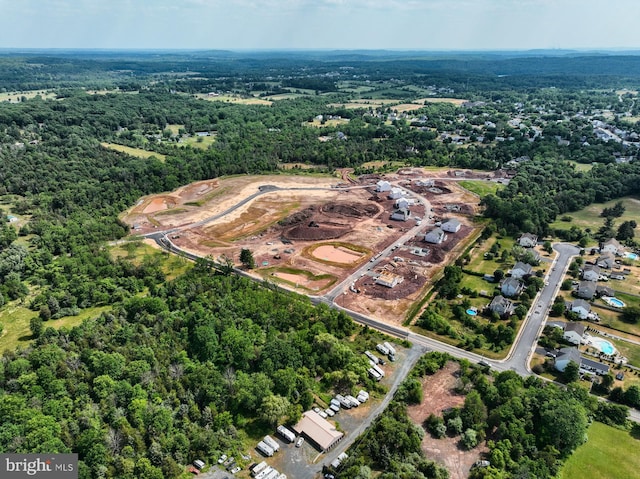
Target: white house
[435,236]
[403,203]
[573,333]
[581,307]
[501,305]
[587,366]
[383,186]
[452,226]
[396,193]
[520,270]
[528,240]
[401,214]
[511,287]
[591,272]
[612,246]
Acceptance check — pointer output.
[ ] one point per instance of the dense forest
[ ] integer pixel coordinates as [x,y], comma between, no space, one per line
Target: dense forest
[188,368]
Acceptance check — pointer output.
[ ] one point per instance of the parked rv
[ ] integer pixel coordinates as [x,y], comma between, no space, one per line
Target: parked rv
[382,349]
[286,433]
[258,468]
[265,449]
[272,443]
[372,357]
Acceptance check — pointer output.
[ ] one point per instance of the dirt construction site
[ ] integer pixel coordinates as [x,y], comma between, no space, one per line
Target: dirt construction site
[312,234]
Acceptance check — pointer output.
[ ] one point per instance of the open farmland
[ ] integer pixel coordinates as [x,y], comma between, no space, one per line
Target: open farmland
[589,217]
[137,152]
[234,99]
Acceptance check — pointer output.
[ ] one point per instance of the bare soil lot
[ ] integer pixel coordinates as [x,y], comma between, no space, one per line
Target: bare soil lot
[311,233]
[440,395]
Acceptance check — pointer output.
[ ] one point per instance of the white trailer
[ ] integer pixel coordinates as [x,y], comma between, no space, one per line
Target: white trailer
[372,356]
[353,401]
[258,468]
[364,393]
[335,402]
[271,442]
[335,408]
[272,475]
[265,449]
[378,370]
[382,349]
[343,402]
[286,433]
[374,374]
[361,398]
[392,350]
[262,474]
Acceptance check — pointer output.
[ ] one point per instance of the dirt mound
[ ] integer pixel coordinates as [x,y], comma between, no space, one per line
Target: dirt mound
[298,217]
[317,232]
[350,210]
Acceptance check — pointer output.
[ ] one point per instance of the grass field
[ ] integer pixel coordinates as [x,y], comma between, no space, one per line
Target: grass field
[327,123]
[15,321]
[581,166]
[137,252]
[608,454]
[454,101]
[202,142]
[137,152]
[15,96]
[174,128]
[628,350]
[589,217]
[481,188]
[234,99]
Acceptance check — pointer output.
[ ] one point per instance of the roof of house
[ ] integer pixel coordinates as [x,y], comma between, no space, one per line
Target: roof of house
[591,267]
[569,354]
[522,266]
[580,303]
[613,242]
[529,236]
[499,301]
[589,363]
[575,327]
[319,430]
[587,287]
[511,282]
[605,291]
[453,222]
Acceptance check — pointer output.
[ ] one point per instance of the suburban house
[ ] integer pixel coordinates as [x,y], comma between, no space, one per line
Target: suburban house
[319,431]
[403,203]
[396,193]
[587,366]
[427,183]
[528,240]
[591,272]
[383,186]
[586,289]
[612,246]
[501,305]
[401,214]
[389,279]
[604,291]
[511,287]
[452,226]
[581,307]
[435,236]
[573,333]
[520,270]
[606,260]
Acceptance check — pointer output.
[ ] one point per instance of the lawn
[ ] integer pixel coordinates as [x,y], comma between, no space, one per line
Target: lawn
[15,96]
[15,320]
[609,453]
[137,251]
[589,217]
[481,188]
[137,152]
[202,142]
[327,123]
[234,99]
[174,128]
[478,262]
[582,166]
[628,350]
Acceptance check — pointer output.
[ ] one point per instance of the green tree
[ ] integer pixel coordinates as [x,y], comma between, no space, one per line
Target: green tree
[37,326]
[246,258]
[631,314]
[469,439]
[571,372]
[546,246]
[274,408]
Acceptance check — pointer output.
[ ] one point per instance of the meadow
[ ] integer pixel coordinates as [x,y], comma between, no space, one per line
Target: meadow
[137,152]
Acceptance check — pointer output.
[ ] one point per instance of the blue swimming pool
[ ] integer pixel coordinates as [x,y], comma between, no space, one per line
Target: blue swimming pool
[631,256]
[472,312]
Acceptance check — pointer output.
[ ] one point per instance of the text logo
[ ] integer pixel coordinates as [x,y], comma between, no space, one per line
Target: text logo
[45,466]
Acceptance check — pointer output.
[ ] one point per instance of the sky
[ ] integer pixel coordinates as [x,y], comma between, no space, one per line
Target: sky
[320,24]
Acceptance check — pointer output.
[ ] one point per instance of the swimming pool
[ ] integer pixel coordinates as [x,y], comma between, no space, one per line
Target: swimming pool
[614,302]
[631,256]
[472,312]
[603,345]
